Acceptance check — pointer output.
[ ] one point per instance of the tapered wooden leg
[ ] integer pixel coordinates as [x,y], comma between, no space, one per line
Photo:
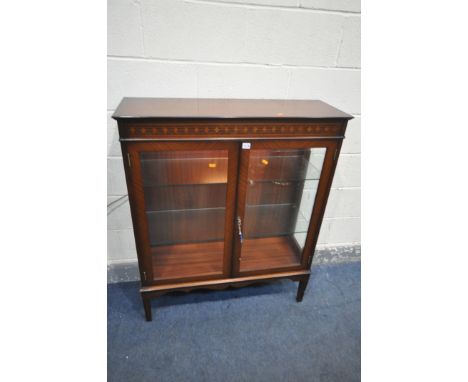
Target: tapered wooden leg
[147,306]
[301,289]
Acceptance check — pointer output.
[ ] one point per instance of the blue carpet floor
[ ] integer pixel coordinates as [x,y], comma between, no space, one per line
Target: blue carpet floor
[255,333]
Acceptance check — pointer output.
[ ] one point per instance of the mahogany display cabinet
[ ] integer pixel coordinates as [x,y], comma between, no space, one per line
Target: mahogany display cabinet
[226,192]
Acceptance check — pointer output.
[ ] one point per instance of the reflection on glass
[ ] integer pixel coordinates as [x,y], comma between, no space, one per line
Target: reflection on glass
[185,200]
[280,197]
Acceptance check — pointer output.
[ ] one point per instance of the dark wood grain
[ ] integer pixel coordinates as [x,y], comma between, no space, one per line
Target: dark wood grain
[190,167]
[272,192]
[268,220]
[186,226]
[156,290]
[269,253]
[273,165]
[182,261]
[184,196]
[197,129]
[137,208]
[301,289]
[225,108]
[189,178]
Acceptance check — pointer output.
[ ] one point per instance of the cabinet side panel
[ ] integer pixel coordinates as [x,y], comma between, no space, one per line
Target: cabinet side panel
[135,201]
[323,191]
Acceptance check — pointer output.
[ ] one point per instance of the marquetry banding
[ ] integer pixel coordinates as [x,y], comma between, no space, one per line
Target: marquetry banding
[220,130]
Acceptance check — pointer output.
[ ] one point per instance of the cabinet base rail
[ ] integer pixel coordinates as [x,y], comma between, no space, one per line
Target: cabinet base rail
[149,292]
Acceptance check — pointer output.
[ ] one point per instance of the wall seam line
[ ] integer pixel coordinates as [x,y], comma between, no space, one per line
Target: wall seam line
[299,8]
[142,32]
[340,43]
[226,63]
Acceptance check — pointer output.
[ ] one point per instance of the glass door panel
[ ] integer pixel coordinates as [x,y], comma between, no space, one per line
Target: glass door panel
[185,207]
[281,188]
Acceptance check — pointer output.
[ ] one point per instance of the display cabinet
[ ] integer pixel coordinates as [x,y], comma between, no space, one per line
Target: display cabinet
[226,192]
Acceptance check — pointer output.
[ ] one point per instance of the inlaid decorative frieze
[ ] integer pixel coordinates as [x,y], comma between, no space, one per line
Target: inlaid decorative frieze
[220,130]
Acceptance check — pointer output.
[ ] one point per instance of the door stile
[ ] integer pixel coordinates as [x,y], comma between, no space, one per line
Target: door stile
[229,226]
[244,157]
[320,203]
[137,208]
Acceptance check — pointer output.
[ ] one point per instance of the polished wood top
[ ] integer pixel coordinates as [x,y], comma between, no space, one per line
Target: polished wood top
[226,108]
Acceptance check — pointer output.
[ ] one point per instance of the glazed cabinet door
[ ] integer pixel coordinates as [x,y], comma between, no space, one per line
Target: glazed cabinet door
[182,196]
[282,191]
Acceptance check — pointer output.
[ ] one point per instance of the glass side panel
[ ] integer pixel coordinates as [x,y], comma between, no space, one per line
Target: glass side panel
[185,205]
[279,202]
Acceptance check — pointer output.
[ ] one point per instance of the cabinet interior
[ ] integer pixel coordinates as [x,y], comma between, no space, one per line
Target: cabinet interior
[185,195]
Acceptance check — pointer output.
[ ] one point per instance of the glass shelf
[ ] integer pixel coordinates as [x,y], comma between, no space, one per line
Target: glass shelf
[185,210]
[185,184]
[279,182]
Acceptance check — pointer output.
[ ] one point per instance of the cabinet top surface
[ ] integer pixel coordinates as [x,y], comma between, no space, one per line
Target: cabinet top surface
[225,108]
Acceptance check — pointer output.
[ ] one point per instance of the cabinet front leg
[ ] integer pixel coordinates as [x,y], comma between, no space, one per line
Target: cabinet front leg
[302,287]
[147,306]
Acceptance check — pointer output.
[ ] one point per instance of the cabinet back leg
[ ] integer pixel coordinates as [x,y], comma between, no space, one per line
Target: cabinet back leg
[147,306]
[302,287]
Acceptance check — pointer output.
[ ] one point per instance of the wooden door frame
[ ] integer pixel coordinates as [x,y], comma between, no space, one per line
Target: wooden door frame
[132,165]
[326,177]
